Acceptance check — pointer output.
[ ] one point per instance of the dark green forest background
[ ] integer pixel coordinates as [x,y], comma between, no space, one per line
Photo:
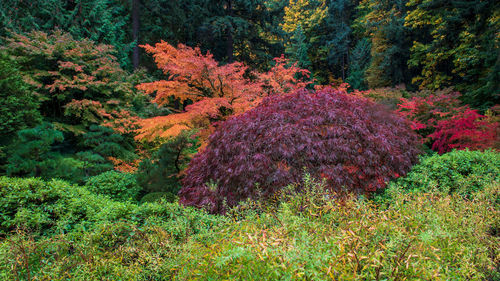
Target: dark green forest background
[422,44]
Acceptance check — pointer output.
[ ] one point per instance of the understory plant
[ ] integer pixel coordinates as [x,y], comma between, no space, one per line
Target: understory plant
[307,236]
[461,171]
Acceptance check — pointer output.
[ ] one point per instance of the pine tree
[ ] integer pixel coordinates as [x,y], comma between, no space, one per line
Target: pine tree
[359,61]
[336,38]
[298,48]
[383,22]
[32,154]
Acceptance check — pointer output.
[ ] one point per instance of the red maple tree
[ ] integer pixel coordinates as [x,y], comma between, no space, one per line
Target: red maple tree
[446,124]
[467,129]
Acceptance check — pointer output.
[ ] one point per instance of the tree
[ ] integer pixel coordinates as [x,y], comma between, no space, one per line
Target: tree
[163,171]
[300,22]
[232,30]
[298,48]
[63,69]
[102,21]
[135,31]
[240,29]
[384,23]
[32,153]
[359,59]
[18,107]
[336,37]
[304,13]
[456,43]
[215,91]
[446,124]
[78,83]
[77,86]
[353,143]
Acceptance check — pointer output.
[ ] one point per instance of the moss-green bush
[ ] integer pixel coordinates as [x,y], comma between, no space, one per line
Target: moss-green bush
[54,207]
[157,196]
[460,171]
[118,186]
[308,236]
[49,207]
[134,247]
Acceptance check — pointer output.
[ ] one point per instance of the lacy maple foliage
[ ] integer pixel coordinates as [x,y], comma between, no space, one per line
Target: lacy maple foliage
[351,142]
[62,68]
[217,91]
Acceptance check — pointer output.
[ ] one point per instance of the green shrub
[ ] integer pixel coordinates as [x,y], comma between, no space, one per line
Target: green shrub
[163,171]
[353,239]
[50,207]
[118,241]
[118,186]
[307,236]
[158,196]
[460,171]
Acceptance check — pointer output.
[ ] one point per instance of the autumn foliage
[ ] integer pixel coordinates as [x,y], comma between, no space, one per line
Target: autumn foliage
[77,84]
[352,142]
[446,124]
[216,91]
[468,129]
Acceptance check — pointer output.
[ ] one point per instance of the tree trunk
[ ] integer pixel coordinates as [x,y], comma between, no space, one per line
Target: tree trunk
[135,31]
[230,43]
[343,67]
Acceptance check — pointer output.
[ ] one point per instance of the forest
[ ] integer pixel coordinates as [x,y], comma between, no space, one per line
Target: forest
[249,140]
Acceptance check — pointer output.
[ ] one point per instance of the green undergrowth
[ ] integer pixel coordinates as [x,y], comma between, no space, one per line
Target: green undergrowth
[306,235]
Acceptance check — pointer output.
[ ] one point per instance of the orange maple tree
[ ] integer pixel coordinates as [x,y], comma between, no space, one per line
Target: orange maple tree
[216,91]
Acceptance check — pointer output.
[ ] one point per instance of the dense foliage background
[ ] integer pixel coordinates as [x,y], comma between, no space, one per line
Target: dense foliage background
[424,44]
[316,139]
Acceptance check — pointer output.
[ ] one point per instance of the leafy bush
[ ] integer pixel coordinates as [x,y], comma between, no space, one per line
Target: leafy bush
[387,96]
[446,124]
[352,142]
[164,169]
[355,240]
[49,207]
[460,171]
[307,236]
[157,196]
[468,129]
[54,207]
[118,186]
[18,107]
[116,240]
[425,109]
